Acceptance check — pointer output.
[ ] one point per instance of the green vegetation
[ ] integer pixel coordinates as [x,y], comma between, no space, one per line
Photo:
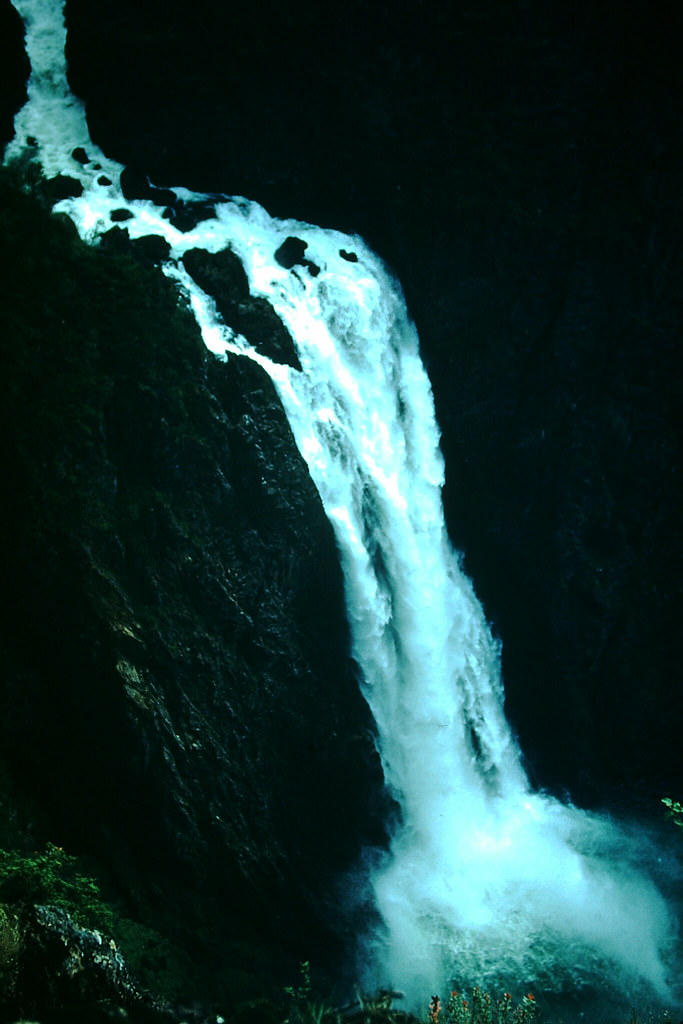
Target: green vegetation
[674,810]
[54,877]
[474,1006]
[10,947]
[465,1006]
[482,1008]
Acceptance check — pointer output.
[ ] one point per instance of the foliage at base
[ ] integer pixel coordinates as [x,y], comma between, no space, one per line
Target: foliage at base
[674,810]
[54,878]
[482,1008]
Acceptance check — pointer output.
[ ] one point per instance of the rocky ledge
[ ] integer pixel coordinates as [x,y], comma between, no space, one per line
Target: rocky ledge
[179,704]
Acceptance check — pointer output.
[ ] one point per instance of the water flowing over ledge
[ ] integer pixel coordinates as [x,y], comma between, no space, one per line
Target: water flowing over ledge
[484,877]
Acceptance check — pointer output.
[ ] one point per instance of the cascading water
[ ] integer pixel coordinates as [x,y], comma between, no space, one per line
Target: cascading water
[484,879]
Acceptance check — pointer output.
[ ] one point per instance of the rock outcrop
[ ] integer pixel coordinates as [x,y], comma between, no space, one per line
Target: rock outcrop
[178,700]
[222,276]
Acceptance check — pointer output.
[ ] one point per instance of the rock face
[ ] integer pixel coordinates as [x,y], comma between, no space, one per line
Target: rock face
[222,276]
[64,964]
[179,702]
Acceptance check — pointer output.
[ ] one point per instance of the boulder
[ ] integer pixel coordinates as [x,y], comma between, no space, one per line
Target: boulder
[221,275]
[291,254]
[61,187]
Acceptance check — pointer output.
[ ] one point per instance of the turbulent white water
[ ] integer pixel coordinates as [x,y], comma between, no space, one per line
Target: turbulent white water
[485,878]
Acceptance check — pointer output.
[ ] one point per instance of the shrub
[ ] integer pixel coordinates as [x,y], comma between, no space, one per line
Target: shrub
[482,1008]
[52,877]
[674,810]
[10,947]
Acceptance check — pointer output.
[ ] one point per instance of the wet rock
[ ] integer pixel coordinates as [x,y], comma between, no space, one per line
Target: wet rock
[65,969]
[70,964]
[221,275]
[147,249]
[186,216]
[80,155]
[152,248]
[61,187]
[136,185]
[120,215]
[291,254]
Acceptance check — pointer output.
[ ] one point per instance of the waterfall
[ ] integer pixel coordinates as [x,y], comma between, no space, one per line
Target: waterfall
[484,879]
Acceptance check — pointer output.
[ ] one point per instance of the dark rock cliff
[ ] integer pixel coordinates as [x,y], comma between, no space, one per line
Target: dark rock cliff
[178,702]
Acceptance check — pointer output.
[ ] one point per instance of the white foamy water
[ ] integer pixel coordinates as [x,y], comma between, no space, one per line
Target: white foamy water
[485,879]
